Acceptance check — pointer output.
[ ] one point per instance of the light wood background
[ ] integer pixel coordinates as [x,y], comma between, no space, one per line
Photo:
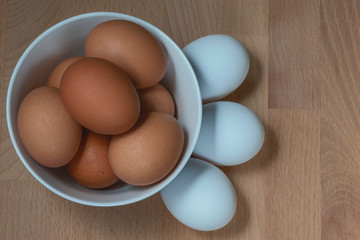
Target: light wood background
[303,83]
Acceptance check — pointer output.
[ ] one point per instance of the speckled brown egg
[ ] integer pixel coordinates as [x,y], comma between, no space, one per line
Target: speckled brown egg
[156,99]
[46,129]
[100,96]
[90,166]
[149,151]
[132,48]
[56,75]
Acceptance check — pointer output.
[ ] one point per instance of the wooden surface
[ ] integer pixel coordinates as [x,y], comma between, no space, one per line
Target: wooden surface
[303,83]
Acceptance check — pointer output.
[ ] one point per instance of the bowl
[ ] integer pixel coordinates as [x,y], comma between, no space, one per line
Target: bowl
[67,39]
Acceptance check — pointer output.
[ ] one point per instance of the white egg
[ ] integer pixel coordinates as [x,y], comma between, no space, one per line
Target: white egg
[230,134]
[220,62]
[201,196]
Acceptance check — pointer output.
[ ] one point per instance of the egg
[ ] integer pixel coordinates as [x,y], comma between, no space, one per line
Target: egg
[131,47]
[90,166]
[46,129]
[221,64]
[56,75]
[201,196]
[156,99]
[100,96]
[149,151]
[230,134]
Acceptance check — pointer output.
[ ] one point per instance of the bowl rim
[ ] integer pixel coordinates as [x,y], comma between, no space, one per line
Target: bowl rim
[164,182]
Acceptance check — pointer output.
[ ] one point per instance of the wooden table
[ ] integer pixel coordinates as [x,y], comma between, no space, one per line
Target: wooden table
[303,83]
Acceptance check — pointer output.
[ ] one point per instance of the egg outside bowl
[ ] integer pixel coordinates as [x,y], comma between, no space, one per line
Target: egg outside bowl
[67,39]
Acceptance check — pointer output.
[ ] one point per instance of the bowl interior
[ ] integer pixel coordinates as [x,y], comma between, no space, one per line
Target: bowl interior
[67,39]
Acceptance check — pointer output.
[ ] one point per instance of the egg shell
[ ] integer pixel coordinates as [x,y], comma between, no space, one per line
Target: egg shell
[201,196]
[90,166]
[156,99]
[230,134]
[149,151]
[100,96]
[46,129]
[221,64]
[132,48]
[54,79]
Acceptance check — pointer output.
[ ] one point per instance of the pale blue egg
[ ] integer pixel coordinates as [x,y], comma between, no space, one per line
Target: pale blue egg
[220,62]
[230,134]
[201,196]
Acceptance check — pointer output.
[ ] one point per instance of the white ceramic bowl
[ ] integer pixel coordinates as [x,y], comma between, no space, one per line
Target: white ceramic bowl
[67,39]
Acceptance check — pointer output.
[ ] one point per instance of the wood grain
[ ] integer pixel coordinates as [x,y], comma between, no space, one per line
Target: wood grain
[303,84]
[294,54]
[340,120]
[293,195]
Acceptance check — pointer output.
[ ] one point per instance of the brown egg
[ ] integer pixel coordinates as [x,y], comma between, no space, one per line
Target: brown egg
[131,47]
[156,99]
[100,96]
[149,151]
[56,75]
[46,129]
[90,166]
